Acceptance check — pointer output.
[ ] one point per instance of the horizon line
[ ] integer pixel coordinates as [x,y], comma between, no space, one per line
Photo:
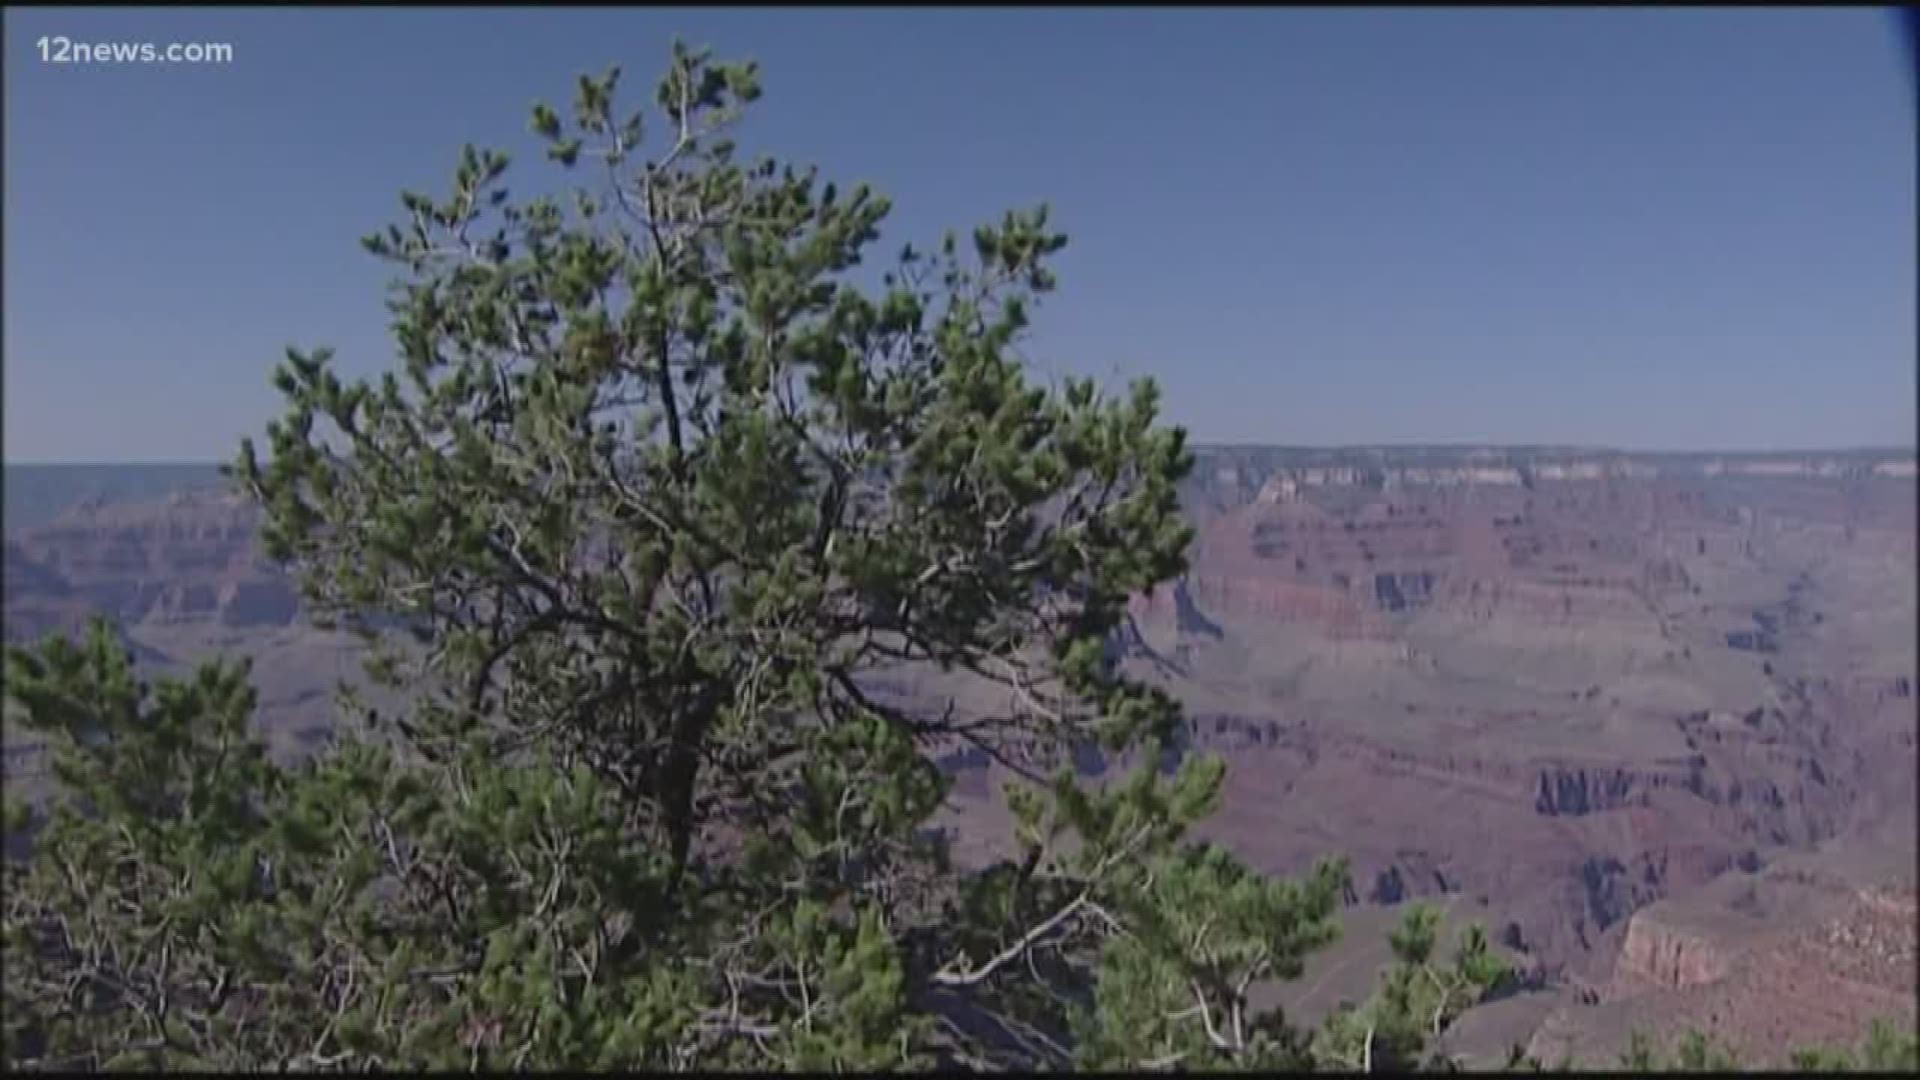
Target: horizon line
[1197,444]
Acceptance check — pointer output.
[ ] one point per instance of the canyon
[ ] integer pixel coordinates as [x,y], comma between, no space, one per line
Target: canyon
[1647,717]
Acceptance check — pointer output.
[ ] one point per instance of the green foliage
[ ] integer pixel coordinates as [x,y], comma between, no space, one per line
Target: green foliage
[1700,1053]
[222,911]
[1885,1048]
[1639,1056]
[1417,1000]
[1173,990]
[656,501]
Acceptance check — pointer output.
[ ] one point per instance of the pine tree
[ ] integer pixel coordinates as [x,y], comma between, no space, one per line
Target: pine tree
[662,491]
[1418,999]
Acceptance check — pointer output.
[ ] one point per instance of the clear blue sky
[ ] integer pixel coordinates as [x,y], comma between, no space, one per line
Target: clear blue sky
[1641,228]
